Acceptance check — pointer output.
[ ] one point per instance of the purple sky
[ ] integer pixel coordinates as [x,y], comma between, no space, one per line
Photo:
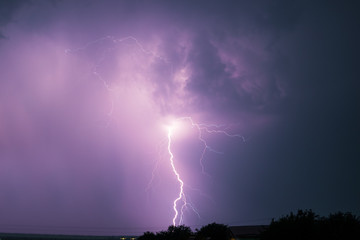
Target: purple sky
[87,89]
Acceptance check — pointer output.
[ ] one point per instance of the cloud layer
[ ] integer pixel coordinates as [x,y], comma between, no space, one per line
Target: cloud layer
[87,87]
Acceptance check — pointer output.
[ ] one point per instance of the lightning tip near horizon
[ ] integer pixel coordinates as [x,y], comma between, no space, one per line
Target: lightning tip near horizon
[173,125]
[181,192]
[211,129]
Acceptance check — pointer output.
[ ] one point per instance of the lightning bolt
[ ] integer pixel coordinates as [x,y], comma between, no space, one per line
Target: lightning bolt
[114,44]
[181,192]
[181,202]
[209,128]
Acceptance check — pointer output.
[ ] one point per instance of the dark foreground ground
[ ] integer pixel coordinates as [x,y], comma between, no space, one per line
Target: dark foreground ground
[238,232]
[15,236]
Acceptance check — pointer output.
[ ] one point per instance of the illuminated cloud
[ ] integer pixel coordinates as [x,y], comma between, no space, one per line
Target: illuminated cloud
[88,90]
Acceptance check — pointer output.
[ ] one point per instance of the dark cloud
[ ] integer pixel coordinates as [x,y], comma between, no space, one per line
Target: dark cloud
[7,10]
[83,108]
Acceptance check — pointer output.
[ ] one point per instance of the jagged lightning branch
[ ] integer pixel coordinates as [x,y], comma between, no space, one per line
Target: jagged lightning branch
[181,192]
[200,127]
[115,43]
[209,128]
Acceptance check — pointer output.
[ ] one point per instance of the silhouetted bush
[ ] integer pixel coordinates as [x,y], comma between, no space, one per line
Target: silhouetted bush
[147,236]
[213,231]
[340,226]
[173,233]
[307,225]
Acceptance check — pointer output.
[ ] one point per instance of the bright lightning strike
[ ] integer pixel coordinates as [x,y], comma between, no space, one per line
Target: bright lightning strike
[181,192]
[212,129]
[180,203]
[209,128]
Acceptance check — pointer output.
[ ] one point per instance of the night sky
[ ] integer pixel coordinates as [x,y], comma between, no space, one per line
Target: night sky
[90,89]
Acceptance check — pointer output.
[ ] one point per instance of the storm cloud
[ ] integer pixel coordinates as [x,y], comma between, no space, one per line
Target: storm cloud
[86,88]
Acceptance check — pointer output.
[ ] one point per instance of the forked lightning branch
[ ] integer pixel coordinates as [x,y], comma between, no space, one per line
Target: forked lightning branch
[180,203]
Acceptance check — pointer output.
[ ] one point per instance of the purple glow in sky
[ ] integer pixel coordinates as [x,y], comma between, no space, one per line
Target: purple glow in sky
[90,90]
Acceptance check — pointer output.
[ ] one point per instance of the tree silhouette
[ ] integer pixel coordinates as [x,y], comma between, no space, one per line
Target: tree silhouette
[299,226]
[213,231]
[307,225]
[340,226]
[173,233]
[147,236]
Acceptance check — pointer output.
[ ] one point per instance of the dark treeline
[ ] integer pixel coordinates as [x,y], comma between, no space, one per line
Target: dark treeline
[304,225]
[210,231]
[307,225]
